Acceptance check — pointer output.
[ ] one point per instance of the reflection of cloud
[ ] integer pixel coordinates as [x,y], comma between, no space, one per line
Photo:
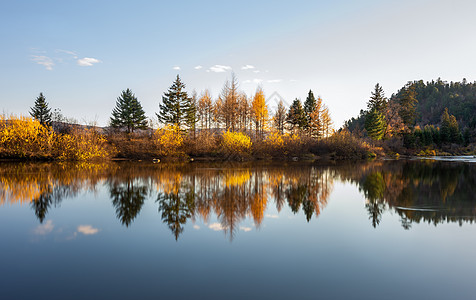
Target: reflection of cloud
[220,68]
[176,68]
[198,67]
[216,226]
[45,61]
[245,229]
[44,229]
[196,227]
[87,229]
[271,216]
[87,61]
[247,67]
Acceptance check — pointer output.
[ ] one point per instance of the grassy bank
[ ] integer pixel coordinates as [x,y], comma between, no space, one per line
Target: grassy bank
[25,138]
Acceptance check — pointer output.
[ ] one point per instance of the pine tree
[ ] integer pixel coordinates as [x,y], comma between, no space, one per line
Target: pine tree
[309,108]
[40,111]
[128,113]
[408,104]
[176,107]
[377,100]
[296,116]
[375,124]
[449,128]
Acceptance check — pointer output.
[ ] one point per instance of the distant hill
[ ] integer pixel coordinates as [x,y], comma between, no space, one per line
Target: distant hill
[433,97]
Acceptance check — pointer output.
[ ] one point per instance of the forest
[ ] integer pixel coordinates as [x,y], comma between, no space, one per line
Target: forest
[432,118]
[435,117]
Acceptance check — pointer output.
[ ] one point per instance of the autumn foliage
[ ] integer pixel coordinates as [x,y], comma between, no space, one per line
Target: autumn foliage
[24,137]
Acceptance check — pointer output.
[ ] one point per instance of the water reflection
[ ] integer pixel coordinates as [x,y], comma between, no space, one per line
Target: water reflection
[433,192]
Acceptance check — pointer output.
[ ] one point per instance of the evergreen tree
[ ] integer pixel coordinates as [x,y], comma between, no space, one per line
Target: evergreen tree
[408,104]
[309,108]
[375,124]
[128,113]
[377,100]
[449,128]
[296,116]
[176,108]
[40,111]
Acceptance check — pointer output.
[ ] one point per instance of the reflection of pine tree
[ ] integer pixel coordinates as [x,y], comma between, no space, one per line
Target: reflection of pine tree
[375,209]
[308,207]
[296,195]
[128,200]
[176,208]
[42,204]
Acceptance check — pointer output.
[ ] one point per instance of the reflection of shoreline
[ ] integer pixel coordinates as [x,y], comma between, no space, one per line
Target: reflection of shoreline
[434,192]
[418,191]
[232,192]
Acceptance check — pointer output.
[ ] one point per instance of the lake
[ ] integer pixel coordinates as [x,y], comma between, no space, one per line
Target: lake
[395,229]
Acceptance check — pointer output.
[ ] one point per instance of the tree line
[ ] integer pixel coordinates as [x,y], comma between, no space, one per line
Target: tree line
[232,110]
[420,114]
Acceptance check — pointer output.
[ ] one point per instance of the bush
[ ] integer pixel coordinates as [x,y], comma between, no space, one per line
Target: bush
[344,145]
[236,145]
[81,144]
[169,141]
[24,137]
[203,143]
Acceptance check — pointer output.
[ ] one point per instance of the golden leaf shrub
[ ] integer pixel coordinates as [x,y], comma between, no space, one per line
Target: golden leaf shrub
[85,144]
[24,137]
[236,143]
[169,140]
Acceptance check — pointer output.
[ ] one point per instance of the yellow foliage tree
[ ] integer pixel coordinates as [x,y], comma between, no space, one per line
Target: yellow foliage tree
[259,111]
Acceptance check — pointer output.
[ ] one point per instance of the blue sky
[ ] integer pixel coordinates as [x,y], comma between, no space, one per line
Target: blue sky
[82,54]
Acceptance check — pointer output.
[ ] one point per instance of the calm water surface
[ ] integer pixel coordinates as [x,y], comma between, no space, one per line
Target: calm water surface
[379,230]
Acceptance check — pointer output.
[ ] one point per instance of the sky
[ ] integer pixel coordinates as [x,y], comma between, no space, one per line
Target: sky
[82,54]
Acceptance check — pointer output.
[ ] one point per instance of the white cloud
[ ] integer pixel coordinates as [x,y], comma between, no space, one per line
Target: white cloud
[87,61]
[74,54]
[256,80]
[176,68]
[87,229]
[271,216]
[245,229]
[196,227]
[274,80]
[44,229]
[219,68]
[45,61]
[216,226]
[198,67]
[247,67]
